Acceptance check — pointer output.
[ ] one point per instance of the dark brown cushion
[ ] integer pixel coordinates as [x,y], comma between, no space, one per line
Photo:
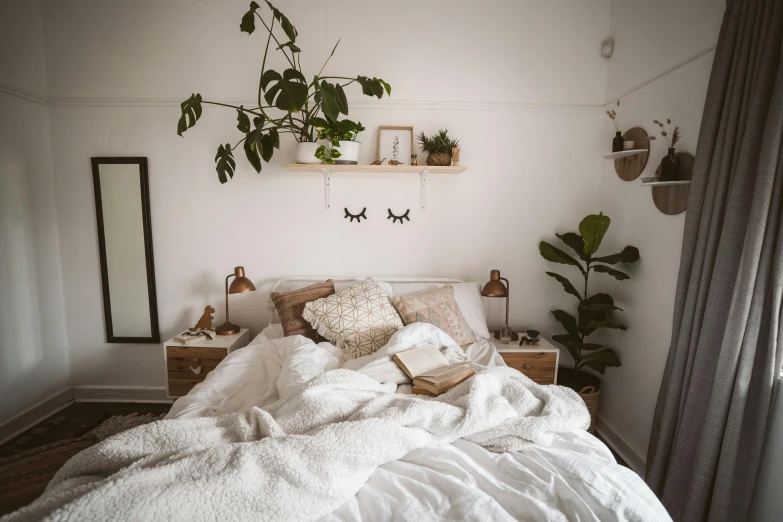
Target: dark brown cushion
[290,306]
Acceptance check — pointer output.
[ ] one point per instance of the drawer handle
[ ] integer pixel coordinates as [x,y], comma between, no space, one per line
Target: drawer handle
[196,370]
[527,366]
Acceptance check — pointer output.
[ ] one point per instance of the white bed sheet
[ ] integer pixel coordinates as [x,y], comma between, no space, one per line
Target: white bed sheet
[576,478]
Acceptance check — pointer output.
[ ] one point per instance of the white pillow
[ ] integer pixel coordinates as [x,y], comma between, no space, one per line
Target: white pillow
[468,297]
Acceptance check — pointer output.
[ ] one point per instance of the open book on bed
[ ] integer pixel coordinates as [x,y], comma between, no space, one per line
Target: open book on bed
[430,370]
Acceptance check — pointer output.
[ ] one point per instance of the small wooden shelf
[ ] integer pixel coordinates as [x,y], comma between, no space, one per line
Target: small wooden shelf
[666,183]
[624,154]
[371,169]
[327,169]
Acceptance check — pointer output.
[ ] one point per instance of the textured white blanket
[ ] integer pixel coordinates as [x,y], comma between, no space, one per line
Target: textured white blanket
[300,457]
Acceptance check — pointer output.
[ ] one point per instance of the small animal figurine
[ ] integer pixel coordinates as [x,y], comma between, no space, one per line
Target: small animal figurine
[378,162]
[414,159]
[395,162]
[532,340]
[205,322]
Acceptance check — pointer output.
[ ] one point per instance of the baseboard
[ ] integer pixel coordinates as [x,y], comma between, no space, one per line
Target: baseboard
[635,461]
[96,393]
[36,413]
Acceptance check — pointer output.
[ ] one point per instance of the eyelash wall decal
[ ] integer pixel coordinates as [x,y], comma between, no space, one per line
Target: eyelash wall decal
[395,218]
[358,217]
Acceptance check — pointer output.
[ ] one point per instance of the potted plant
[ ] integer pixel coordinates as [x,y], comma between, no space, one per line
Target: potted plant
[593,310]
[438,147]
[341,136]
[287,102]
[617,141]
[670,164]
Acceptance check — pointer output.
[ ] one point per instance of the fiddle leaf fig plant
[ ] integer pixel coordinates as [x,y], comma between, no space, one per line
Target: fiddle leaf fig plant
[593,311]
[287,103]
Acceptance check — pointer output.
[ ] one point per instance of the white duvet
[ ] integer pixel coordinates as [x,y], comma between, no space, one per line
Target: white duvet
[272,434]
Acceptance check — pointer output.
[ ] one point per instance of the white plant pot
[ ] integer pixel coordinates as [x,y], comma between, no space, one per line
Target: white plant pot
[305,152]
[349,153]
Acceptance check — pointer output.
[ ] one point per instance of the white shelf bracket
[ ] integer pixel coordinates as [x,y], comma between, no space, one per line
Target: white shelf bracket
[328,187]
[424,187]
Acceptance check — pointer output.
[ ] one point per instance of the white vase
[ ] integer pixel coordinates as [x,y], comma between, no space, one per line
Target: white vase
[349,153]
[305,152]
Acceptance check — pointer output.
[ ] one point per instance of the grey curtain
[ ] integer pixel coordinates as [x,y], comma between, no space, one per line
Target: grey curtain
[725,354]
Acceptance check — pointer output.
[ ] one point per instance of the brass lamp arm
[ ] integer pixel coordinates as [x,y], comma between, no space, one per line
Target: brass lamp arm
[229,277]
[508,296]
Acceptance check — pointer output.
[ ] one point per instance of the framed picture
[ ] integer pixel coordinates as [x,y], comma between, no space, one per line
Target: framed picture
[395,143]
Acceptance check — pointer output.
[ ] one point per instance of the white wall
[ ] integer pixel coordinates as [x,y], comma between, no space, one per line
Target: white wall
[33,345]
[519,83]
[630,392]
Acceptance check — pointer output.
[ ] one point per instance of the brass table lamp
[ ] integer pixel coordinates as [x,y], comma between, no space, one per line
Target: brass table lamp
[495,288]
[239,285]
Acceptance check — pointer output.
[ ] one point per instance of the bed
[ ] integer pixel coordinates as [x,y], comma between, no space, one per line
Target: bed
[284,429]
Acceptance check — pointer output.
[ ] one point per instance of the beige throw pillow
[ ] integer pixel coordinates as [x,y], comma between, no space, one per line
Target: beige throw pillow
[437,307]
[358,320]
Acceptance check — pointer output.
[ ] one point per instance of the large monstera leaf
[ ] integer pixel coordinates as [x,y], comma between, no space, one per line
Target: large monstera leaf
[287,92]
[373,86]
[593,228]
[333,100]
[259,145]
[191,112]
[225,164]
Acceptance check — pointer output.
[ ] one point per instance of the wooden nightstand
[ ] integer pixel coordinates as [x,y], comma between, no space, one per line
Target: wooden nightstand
[188,364]
[538,362]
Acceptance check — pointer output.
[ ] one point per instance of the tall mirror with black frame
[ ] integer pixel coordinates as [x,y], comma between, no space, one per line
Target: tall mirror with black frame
[122,208]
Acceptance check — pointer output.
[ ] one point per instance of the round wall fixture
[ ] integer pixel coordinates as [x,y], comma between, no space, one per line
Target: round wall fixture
[631,163]
[672,198]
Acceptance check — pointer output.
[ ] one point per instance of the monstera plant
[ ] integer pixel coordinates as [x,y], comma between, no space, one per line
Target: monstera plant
[287,102]
[593,311]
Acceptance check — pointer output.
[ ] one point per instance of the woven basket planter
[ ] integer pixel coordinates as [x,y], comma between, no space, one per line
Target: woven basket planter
[591,396]
[587,386]
[439,159]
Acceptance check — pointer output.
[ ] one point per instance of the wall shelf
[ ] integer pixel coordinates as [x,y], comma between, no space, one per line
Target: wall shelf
[422,170]
[624,154]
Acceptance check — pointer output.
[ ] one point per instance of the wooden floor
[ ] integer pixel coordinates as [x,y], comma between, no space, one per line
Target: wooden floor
[74,421]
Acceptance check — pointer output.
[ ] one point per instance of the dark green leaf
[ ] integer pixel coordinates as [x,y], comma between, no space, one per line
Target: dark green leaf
[267,147]
[371,86]
[335,153]
[595,365]
[568,342]
[243,122]
[290,30]
[576,242]
[600,360]
[291,46]
[318,123]
[251,150]
[595,325]
[275,136]
[342,101]
[568,321]
[598,299]
[386,86]
[329,104]
[629,254]
[248,24]
[603,269]
[191,112]
[225,163]
[593,310]
[593,228]
[567,286]
[555,255]
[320,153]
[287,92]
[600,307]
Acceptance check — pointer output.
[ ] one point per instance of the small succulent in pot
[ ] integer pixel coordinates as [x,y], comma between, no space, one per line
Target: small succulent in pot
[438,147]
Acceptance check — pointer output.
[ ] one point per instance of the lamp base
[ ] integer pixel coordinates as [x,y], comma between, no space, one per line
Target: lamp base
[506,335]
[227,328]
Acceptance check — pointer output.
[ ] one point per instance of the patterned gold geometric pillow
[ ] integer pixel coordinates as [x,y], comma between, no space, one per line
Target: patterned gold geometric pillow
[358,320]
[437,307]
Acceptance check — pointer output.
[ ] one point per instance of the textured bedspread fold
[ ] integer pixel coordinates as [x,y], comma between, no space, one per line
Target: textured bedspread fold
[301,457]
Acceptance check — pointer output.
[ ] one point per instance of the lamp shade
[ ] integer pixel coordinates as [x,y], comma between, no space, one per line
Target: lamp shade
[495,287]
[240,284]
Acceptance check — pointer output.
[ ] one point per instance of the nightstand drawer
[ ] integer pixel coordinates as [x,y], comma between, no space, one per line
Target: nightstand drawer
[187,366]
[540,367]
